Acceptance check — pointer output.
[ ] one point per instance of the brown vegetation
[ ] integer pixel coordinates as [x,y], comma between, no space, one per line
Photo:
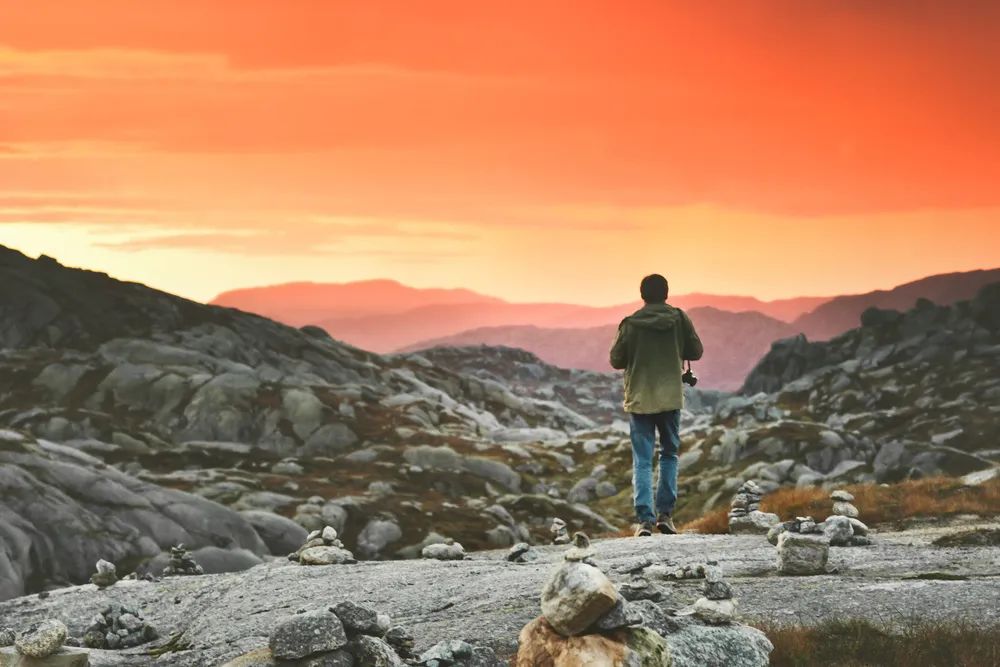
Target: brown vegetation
[853,643]
[925,498]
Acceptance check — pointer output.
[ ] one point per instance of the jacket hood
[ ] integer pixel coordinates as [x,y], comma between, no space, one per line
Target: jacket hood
[655,316]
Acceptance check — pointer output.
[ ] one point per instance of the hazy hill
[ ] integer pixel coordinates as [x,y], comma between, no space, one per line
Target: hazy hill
[383,315]
[733,343]
[844,312]
[302,303]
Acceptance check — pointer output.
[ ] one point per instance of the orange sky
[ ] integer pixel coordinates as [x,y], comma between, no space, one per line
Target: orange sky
[532,150]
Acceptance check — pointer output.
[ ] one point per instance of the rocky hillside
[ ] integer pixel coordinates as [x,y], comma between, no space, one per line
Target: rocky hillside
[841,313]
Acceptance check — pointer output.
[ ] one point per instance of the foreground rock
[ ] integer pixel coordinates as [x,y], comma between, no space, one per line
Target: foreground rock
[42,640]
[542,646]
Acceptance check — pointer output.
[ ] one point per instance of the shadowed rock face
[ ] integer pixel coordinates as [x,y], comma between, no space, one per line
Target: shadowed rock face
[62,510]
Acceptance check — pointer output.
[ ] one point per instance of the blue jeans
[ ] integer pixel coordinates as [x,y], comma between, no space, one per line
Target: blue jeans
[643,429]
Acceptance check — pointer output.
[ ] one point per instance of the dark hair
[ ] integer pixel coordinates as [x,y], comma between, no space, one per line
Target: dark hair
[654,288]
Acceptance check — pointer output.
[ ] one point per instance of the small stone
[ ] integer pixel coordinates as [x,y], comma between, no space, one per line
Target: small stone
[838,530]
[42,640]
[802,554]
[358,619]
[716,612]
[717,590]
[373,652]
[401,640]
[326,556]
[522,553]
[754,523]
[842,495]
[329,534]
[618,617]
[845,509]
[641,589]
[860,529]
[446,551]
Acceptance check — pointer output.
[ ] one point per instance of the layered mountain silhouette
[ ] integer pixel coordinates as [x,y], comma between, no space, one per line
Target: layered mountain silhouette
[736,340]
[385,316]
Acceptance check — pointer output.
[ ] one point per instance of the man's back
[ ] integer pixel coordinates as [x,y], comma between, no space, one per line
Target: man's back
[651,347]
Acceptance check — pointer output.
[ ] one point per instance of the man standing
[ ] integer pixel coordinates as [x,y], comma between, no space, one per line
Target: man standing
[651,346]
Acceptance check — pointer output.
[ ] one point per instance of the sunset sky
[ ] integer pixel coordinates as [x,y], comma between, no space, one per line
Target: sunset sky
[530,150]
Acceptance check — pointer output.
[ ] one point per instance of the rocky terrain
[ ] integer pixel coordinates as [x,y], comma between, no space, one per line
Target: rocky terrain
[486,600]
[132,421]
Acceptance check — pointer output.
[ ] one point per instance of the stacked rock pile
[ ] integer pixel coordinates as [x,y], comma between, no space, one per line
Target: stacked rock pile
[352,635]
[41,644]
[716,606]
[322,548]
[585,621]
[841,529]
[447,550]
[106,574]
[745,517]
[181,563]
[118,627]
[560,535]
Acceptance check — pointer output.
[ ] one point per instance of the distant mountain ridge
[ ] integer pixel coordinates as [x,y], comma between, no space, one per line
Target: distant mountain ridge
[385,316]
[730,360]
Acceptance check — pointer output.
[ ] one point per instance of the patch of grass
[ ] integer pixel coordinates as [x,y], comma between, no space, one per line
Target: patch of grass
[715,522]
[853,643]
[934,497]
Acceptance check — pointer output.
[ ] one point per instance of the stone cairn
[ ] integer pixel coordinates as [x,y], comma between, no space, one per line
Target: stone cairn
[586,621]
[351,635]
[559,533]
[41,644]
[322,548]
[118,627]
[447,550]
[181,563]
[106,574]
[717,606]
[745,517]
[804,545]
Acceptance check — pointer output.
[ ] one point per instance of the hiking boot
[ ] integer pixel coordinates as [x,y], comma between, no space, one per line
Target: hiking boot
[665,525]
[644,529]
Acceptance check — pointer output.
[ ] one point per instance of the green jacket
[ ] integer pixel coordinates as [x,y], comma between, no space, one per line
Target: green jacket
[651,346]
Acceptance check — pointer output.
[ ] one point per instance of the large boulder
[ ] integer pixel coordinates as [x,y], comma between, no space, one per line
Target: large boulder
[280,534]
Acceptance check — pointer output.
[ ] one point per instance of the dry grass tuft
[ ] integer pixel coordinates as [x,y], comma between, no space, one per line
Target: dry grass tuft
[853,643]
[926,498]
[713,523]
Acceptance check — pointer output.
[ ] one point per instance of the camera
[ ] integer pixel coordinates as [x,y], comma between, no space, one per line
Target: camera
[689,378]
